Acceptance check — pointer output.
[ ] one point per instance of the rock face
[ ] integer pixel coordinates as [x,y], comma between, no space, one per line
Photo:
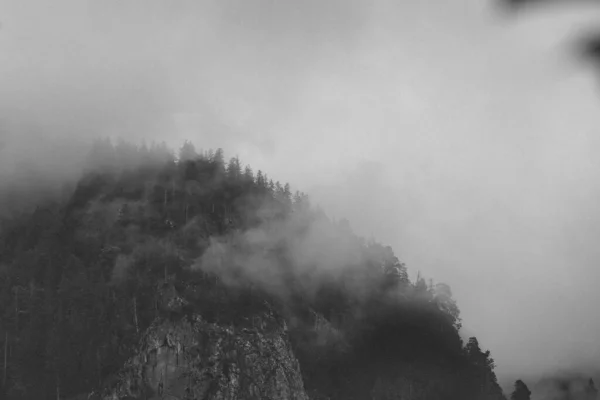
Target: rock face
[194,359]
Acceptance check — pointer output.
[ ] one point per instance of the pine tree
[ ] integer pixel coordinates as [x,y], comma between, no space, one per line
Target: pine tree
[473,350]
[521,391]
[248,174]
[287,196]
[219,157]
[187,152]
[234,169]
[271,186]
[260,179]
[443,299]
[591,393]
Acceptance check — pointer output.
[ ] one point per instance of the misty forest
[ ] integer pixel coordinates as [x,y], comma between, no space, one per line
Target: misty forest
[84,276]
[154,255]
[169,270]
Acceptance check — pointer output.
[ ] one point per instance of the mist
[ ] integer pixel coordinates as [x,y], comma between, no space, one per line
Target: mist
[315,249]
[463,140]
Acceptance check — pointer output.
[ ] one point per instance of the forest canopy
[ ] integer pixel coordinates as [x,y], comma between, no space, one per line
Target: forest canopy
[81,275]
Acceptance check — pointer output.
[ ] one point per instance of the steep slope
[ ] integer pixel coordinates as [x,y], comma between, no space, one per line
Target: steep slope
[88,288]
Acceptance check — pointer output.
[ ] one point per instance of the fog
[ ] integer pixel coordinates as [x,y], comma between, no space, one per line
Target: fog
[464,139]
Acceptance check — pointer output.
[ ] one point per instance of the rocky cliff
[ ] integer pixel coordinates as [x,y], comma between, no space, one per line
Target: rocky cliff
[184,356]
[195,359]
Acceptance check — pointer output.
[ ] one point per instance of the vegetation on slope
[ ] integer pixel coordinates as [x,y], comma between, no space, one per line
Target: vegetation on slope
[80,279]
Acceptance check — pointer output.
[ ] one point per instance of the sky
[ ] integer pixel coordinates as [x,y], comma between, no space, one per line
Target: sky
[463,138]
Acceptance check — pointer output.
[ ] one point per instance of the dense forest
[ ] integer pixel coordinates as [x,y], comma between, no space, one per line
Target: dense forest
[82,273]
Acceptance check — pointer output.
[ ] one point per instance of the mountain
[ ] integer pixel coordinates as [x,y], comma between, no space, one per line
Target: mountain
[188,277]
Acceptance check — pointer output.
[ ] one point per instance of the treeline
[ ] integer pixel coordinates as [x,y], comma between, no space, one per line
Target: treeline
[83,275]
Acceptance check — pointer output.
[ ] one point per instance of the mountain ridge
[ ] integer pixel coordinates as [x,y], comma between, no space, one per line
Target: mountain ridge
[83,277]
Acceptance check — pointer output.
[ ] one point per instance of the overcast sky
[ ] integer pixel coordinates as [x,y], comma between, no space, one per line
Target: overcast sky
[465,139]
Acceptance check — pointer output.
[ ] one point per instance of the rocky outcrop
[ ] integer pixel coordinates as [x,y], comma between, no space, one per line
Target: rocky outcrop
[192,358]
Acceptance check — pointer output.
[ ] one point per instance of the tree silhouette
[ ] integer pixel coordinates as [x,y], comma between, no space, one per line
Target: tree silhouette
[591,392]
[521,391]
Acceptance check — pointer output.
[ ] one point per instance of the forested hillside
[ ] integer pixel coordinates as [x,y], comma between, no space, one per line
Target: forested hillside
[83,276]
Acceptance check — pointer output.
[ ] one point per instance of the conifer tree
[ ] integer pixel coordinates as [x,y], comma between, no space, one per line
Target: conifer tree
[248,175]
[260,179]
[234,169]
[591,392]
[187,152]
[521,391]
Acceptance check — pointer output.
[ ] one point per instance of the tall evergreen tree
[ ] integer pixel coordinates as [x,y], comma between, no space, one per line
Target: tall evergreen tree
[234,169]
[521,391]
[591,392]
[248,174]
[260,179]
[187,152]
